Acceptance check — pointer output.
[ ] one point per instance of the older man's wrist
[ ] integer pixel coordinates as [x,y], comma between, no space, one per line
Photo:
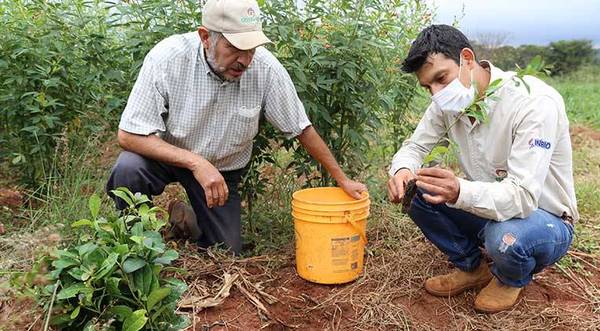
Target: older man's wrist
[196,162]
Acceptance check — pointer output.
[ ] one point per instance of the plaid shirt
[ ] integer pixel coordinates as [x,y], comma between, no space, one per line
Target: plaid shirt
[179,98]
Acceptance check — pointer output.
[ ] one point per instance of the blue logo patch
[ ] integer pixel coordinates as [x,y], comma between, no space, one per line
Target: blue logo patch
[539,143]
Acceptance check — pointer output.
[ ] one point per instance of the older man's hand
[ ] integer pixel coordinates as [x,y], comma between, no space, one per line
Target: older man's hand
[213,183]
[353,188]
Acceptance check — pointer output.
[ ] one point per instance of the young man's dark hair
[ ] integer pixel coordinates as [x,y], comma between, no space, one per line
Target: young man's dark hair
[442,39]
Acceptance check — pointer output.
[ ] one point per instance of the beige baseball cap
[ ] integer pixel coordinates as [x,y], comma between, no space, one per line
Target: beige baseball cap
[238,20]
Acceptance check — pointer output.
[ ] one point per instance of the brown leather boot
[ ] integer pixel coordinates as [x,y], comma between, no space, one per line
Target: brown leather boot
[458,281]
[184,224]
[496,297]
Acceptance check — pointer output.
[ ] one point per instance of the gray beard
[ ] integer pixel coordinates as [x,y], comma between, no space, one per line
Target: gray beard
[216,68]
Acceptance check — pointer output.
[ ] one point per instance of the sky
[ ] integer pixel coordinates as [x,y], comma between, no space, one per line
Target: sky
[523,21]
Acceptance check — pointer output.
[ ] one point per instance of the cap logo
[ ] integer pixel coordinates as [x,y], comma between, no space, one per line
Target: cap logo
[252,18]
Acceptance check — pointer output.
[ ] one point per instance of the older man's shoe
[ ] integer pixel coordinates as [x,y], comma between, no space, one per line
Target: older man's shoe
[496,297]
[458,281]
[183,221]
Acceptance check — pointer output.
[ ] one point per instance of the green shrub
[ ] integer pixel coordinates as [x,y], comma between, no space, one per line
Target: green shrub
[111,278]
[344,58]
[60,72]
[66,68]
[569,55]
[564,56]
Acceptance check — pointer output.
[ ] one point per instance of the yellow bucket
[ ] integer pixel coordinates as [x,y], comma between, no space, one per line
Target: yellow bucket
[330,231]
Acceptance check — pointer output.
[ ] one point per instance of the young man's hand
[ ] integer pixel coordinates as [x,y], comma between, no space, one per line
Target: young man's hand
[441,185]
[213,183]
[397,184]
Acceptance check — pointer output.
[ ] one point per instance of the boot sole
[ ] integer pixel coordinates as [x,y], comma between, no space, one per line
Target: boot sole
[457,290]
[487,310]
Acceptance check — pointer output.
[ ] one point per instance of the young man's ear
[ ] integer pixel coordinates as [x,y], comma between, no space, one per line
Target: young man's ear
[468,57]
[204,37]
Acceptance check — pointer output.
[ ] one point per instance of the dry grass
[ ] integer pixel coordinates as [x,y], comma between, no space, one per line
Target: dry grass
[211,273]
[389,294]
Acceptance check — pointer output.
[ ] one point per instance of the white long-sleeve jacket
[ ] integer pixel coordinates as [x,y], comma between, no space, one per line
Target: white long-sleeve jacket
[516,162]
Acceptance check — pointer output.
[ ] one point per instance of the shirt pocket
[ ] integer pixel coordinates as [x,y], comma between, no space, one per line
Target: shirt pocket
[244,125]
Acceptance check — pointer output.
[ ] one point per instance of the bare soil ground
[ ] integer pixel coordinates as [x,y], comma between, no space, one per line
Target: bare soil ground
[389,295]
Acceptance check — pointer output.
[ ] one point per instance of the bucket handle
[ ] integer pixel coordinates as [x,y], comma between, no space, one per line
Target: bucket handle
[348,217]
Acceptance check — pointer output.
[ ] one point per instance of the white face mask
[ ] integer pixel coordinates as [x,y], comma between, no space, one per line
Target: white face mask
[455,97]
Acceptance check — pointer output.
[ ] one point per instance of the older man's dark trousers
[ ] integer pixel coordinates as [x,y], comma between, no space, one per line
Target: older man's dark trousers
[220,225]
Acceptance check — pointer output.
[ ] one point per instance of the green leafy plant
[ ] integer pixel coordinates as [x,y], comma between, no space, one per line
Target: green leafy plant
[59,73]
[536,67]
[344,58]
[111,279]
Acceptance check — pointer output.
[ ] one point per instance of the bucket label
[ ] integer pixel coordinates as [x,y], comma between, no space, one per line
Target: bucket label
[344,253]
[339,263]
[339,247]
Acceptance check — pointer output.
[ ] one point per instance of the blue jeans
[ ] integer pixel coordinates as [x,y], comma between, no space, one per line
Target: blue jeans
[518,247]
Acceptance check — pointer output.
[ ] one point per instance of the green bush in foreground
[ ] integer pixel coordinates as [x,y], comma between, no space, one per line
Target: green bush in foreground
[110,280]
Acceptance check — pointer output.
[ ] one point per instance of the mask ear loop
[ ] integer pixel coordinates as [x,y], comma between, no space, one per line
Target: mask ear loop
[460,62]
[472,80]
[460,65]
[460,70]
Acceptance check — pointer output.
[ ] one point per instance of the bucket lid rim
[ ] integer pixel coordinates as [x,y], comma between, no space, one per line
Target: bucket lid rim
[365,196]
